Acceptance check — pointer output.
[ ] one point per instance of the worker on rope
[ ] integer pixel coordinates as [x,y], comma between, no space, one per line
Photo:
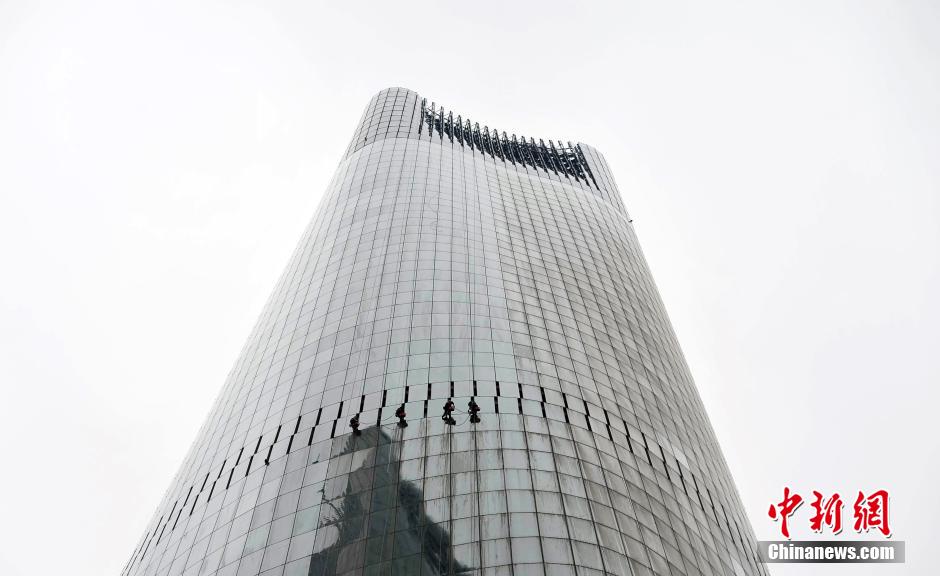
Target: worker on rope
[474,410]
[448,417]
[400,414]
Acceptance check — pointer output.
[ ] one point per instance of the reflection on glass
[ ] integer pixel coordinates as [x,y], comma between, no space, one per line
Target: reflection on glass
[378,518]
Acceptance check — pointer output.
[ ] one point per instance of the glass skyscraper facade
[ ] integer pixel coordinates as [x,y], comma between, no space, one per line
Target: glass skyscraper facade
[450,262]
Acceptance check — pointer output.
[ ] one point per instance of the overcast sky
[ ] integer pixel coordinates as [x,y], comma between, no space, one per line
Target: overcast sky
[159,162]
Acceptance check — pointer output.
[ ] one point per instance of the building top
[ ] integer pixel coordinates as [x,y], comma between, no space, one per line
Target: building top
[403,113]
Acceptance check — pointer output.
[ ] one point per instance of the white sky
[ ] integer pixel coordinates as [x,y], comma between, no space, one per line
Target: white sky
[158,163]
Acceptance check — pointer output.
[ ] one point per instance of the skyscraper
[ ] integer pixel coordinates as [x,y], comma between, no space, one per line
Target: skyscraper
[454,273]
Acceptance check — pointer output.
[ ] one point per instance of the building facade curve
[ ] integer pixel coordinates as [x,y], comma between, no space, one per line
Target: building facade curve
[465,368]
